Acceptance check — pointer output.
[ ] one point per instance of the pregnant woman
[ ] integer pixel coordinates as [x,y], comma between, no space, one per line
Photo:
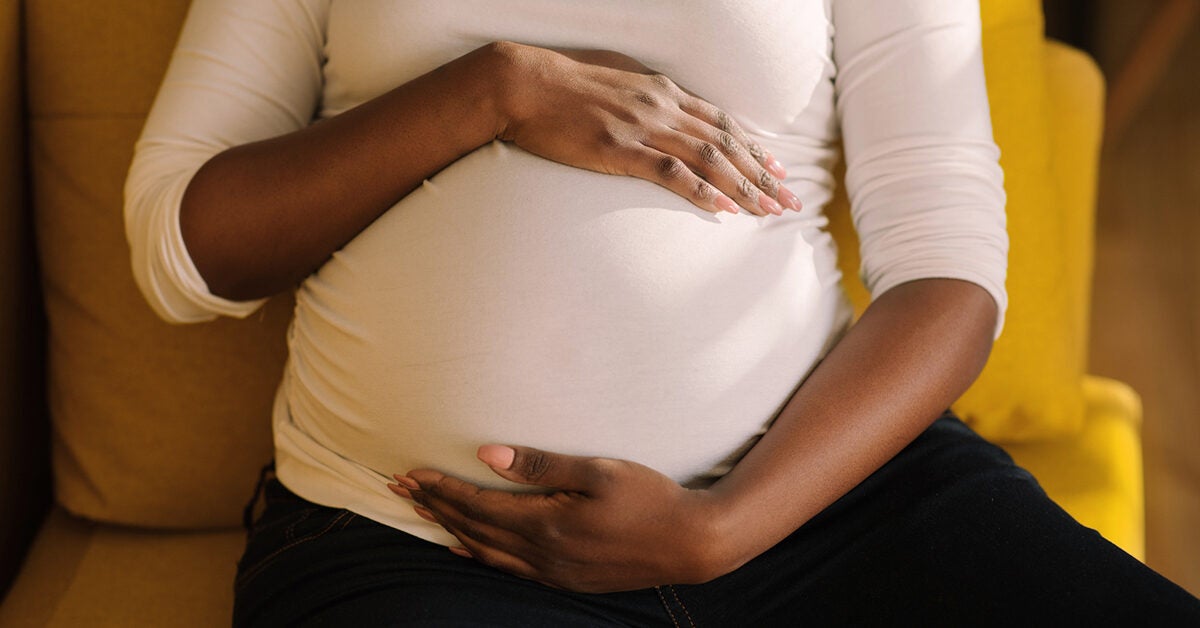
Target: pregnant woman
[569,345]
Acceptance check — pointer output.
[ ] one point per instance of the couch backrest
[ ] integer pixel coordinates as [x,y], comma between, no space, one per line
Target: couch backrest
[154,425]
[157,425]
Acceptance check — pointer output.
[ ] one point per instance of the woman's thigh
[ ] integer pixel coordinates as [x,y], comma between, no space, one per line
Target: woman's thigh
[306,564]
[949,532]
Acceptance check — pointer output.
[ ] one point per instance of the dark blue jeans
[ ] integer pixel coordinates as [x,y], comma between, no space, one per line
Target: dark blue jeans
[949,532]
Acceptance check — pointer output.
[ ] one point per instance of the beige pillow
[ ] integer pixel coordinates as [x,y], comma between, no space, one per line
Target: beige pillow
[154,425]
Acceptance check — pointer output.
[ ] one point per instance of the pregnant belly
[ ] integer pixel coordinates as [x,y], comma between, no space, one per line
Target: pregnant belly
[514,300]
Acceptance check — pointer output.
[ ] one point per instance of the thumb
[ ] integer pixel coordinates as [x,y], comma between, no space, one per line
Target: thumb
[526,465]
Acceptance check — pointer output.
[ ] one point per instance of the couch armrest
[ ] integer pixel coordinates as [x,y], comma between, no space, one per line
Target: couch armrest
[25,480]
[1097,475]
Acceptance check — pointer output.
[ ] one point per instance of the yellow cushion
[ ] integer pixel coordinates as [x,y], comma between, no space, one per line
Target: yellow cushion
[85,574]
[1096,475]
[153,425]
[1076,100]
[1030,387]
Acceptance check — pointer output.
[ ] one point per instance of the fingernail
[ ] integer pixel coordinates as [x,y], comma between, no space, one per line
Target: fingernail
[774,167]
[726,204]
[425,514]
[497,456]
[400,490]
[461,551]
[406,482]
[788,198]
[769,204]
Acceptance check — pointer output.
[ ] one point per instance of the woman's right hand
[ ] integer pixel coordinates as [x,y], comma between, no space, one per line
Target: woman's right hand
[606,112]
[310,191]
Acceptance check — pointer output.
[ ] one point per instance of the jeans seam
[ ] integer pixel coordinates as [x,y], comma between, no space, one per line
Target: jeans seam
[667,606]
[258,568]
[686,614]
[290,533]
[284,527]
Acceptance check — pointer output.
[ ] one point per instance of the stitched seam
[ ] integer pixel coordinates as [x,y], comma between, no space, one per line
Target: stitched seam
[262,564]
[681,605]
[662,598]
[286,525]
[290,532]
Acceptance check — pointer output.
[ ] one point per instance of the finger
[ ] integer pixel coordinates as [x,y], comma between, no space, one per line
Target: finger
[527,465]
[446,515]
[762,177]
[403,486]
[494,507]
[400,491]
[536,568]
[499,559]
[673,173]
[518,522]
[717,117]
[710,160]
[699,134]
[696,106]
[494,546]
[479,546]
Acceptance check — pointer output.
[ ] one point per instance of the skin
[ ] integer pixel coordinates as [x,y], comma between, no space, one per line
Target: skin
[259,217]
[613,525]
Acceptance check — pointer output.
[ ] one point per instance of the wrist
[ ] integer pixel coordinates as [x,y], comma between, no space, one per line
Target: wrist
[711,550]
[504,73]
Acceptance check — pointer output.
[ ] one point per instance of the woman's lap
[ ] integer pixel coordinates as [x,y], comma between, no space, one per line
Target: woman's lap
[948,532]
[324,566]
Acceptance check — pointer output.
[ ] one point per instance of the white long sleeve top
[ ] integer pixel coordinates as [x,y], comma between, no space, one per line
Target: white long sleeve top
[515,300]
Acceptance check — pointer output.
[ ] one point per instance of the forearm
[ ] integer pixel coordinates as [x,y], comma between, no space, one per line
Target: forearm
[917,348]
[259,217]
[616,525]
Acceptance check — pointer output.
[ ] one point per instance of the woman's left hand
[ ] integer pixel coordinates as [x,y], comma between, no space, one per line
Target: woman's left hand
[607,525]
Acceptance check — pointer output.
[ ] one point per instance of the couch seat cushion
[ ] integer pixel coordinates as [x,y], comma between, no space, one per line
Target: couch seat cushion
[80,573]
[1097,475]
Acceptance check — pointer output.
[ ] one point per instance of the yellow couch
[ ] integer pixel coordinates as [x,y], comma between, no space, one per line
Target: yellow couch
[156,432]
